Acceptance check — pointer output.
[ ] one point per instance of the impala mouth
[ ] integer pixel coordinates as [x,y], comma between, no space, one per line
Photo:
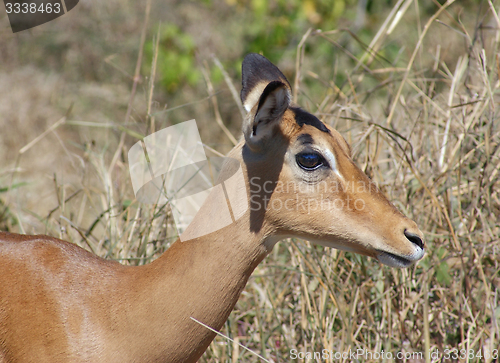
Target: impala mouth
[393,260]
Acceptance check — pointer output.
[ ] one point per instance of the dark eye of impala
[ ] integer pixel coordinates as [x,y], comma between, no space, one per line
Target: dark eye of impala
[309,161]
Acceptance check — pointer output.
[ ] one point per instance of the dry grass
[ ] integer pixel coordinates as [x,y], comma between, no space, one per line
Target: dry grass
[436,153]
[426,128]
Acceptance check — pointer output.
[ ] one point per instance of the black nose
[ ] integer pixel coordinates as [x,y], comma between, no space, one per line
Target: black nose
[415,239]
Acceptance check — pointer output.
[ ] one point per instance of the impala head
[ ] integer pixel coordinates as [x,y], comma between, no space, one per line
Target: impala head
[302,181]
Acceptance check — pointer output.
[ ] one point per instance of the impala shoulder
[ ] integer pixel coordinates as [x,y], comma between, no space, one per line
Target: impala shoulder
[50,252]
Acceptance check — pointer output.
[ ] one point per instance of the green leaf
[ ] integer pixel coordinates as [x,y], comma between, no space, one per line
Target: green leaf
[443,274]
[14,186]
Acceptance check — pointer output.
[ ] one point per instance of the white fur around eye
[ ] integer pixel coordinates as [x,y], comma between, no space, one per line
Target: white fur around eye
[332,161]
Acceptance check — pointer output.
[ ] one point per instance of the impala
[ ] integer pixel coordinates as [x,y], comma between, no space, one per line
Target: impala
[60,303]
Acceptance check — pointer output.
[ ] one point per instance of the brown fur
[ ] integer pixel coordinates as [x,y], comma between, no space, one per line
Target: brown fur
[60,303]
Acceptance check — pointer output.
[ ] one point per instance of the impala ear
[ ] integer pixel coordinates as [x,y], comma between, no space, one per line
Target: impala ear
[265,94]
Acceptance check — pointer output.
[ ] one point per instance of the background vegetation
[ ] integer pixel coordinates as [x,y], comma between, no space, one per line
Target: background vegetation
[412,85]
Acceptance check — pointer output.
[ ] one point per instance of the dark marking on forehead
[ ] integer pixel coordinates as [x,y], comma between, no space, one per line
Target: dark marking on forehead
[305,139]
[302,117]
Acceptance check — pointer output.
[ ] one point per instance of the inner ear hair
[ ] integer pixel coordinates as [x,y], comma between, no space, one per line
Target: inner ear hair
[273,103]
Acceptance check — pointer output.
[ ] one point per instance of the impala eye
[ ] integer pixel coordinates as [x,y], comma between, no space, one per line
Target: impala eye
[309,161]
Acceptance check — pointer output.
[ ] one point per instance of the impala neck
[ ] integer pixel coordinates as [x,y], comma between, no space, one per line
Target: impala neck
[200,278]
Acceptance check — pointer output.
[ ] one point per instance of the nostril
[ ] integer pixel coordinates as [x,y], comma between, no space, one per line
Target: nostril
[415,239]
